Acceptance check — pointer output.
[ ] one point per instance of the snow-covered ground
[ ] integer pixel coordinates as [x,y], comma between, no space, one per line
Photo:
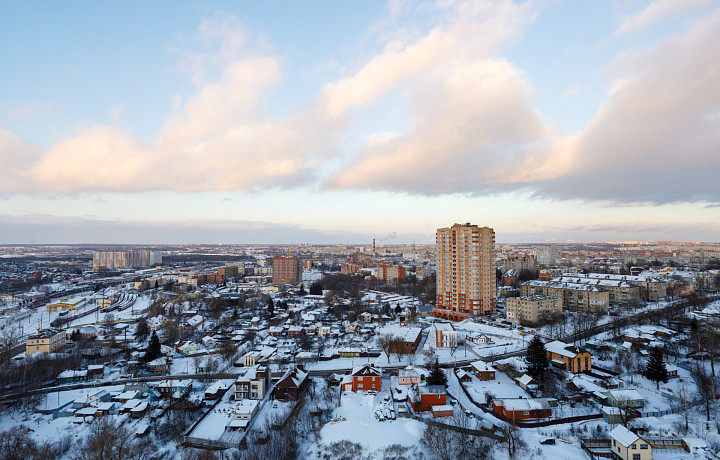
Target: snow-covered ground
[354,420]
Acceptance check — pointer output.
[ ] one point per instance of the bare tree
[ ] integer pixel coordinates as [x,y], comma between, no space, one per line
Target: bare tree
[513,439]
[705,385]
[385,341]
[684,403]
[108,441]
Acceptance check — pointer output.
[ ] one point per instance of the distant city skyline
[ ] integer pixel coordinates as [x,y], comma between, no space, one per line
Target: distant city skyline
[325,122]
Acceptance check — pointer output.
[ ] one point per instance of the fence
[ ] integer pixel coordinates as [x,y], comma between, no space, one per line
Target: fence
[538,424]
[459,429]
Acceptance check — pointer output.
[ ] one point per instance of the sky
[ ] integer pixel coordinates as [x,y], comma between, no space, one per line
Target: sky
[333,122]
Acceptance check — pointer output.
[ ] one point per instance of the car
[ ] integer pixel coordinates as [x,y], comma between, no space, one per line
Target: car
[548,442]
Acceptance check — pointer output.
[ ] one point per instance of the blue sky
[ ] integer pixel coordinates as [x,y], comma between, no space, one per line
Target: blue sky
[328,122]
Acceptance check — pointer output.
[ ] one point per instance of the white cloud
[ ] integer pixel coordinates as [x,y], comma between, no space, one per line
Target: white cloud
[656,11]
[656,138]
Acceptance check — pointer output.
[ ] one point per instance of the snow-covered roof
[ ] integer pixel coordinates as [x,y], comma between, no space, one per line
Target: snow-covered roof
[623,435]
[482,366]
[563,349]
[523,404]
[525,380]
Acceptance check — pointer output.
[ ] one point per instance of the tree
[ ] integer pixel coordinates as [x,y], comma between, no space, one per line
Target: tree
[228,350]
[536,358]
[385,342]
[513,439]
[302,291]
[271,307]
[305,342]
[656,370]
[437,376]
[316,288]
[705,385]
[109,441]
[153,349]
[17,444]
[141,329]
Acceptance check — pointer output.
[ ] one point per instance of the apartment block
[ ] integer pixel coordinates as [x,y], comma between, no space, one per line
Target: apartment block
[529,310]
[124,259]
[465,271]
[574,296]
[287,270]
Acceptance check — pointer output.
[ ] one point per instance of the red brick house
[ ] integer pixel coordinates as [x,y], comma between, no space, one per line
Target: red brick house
[365,377]
[428,396]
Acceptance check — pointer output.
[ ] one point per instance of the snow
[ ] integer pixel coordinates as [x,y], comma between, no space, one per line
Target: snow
[355,421]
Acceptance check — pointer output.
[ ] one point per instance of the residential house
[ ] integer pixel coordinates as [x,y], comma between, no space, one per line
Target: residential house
[625,398]
[349,352]
[174,388]
[366,377]
[480,339]
[569,357]
[408,376]
[627,445]
[71,376]
[427,396]
[365,317]
[291,385]
[253,384]
[158,365]
[521,409]
[483,371]
[95,371]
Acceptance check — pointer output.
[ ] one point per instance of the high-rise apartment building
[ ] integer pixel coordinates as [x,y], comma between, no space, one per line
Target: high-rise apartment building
[287,270]
[547,254]
[465,271]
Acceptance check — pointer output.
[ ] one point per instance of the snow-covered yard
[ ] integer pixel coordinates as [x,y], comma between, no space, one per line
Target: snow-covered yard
[354,420]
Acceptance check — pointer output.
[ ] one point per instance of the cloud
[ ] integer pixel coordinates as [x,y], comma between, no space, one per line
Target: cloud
[469,124]
[466,30]
[656,137]
[470,128]
[656,11]
[474,130]
[218,139]
[68,230]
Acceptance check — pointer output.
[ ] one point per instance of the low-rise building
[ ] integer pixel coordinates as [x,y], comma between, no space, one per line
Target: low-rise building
[569,357]
[627,445]
[522,409]
[45,341]
[407,341]
[290,385]
[253,384]
[427,396]
[366,377]
[408,376]
[443,335]
[531,309]
[483,371]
